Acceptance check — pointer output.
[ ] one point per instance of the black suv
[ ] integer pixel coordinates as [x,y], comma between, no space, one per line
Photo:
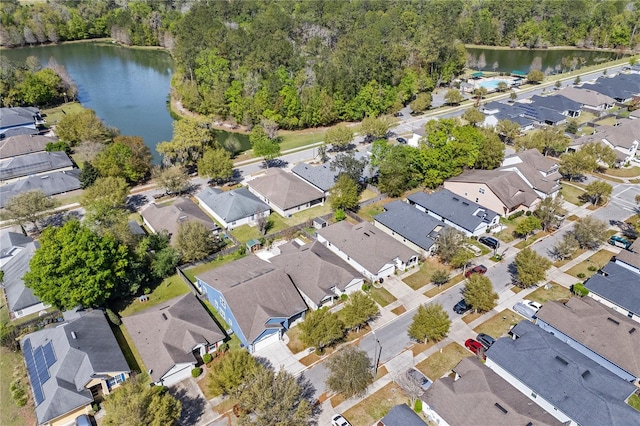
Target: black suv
[490,242]
[461,307]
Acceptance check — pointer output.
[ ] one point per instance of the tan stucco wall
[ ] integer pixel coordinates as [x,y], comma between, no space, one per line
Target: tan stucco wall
[69,418]
[471,191]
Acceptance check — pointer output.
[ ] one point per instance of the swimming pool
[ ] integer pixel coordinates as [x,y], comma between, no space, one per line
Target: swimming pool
[491,84]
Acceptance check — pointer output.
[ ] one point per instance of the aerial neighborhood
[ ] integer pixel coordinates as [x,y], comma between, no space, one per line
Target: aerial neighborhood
[337,213]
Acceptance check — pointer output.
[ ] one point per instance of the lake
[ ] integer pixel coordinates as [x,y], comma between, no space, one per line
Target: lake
[520,59]
[127,88]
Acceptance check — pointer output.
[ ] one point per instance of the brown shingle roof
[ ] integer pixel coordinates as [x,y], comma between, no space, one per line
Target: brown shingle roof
[588,322]
[586,96]
[23,144]
[532,165]
[169,217]
[166,334]
[508,186]
[631,256]
[284,189]
[481,393]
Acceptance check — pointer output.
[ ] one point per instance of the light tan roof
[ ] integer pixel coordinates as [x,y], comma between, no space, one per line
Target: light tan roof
[169,217]
[480,396]
[586,96]
[508,186]
[621,136]
[597,327]
[23,144]
[532,166]
[284,189]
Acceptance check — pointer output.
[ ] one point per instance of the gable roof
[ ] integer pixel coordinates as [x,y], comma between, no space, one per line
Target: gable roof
[459,210]
[381,248]
[576,385]
[620,86]
[632,256]
[534,166]
[284,189]
[402,415]
[508,186]
[10,241]
[557,103]
[232,205]
[540,113]
[18,116]
[617,284]
[416,226]
[23,144]
[18,295]
[255,291]
[597,327]
[166,334]
[314,269]
[38,162]
[51,184]
[585,96]
[320,176]
[70,362]
[169,217]
[487,395]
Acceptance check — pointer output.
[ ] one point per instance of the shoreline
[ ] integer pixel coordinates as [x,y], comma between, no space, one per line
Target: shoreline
[572,48]
[107,41]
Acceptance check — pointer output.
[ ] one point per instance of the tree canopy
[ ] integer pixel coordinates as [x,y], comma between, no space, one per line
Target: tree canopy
[479,294]
[531,268]
[191,137]
[127,157]
[350,372]
[344,194]
[28,208]
[216,164]
[429,322]
[194,241]
[590,232]
[359,310]
[228,373]
[321,328]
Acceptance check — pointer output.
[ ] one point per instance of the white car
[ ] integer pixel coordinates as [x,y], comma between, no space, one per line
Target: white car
[534,305]
[338,420]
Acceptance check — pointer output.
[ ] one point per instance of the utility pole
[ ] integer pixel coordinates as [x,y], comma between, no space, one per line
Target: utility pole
[376,355]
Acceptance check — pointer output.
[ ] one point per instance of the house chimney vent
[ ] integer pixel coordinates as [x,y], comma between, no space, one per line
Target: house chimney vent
[74,335]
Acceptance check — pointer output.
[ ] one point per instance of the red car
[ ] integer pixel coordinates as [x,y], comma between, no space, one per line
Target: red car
[480,269]
[475,347]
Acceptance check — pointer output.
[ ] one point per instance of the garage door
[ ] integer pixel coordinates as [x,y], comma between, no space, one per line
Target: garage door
[266,341]
[176,375]
[388,270]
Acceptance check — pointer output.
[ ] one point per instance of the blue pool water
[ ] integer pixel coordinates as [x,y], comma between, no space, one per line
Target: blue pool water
[491,84]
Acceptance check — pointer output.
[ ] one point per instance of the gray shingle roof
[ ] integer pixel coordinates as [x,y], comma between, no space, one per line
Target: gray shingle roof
[232,205]
[402,415]
[38,162]
[51,184]
[284,189]
[459,210]
[93,352]
[539,113]
[23,144]
[19,116]
[618,285]
[169,217]
[18,296]
[314,269]
[166,334]
[411,223]
[255,291]
[586,97]
[557,103]
[9,241]
[576,385]
[589,322]
[620,86]
[380,247]
[320,176]
[479,389]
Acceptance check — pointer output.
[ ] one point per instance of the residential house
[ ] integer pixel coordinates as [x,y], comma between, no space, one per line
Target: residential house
[616,286]
[558,103]
[401,415]
[570,386]
[539,172]
[621,87]
[540,115]
[168,217]
[418,134]
[71,365]
[319,176]
[52,183]
[172,337]
[23,144]
[623,138]
[458,212]
[369,250]
[603,335]
[630,258]
[410,226]
[20,121]
[319,275]
[498,111]
[233,208]
[257,300]
[38,164]
[485,394]
[285,193]
[591,100]
[504,192]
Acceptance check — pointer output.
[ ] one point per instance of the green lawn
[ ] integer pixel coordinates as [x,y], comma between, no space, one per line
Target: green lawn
[170,287]
[499,324]
[278,223]
[596,261]
[627,172]
[367,195]
[556,292]
[585,117]
[440,363]
[293,140]
[54,115]
[376,406]
[234,342]
[572,194]
[12,366]
[437,290]
[609,121]
[245,233]
[422,277]
[128,348]
[530,240]
[192,272]
[382,296]
[634,401]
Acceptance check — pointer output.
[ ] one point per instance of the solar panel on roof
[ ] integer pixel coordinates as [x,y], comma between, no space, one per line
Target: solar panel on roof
[49,355]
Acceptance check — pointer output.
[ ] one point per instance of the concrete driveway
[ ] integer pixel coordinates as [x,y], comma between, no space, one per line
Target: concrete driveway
[196,410]
[279,355]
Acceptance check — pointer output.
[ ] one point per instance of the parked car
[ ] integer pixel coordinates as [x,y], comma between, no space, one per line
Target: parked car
[490,242]
[338,420]
[461,307]
[398,114]
[485,340]
[525,310]
[402,140]
[531,303]
[83,420]
[419,378]
[475,347]
[619,242]
[480,269]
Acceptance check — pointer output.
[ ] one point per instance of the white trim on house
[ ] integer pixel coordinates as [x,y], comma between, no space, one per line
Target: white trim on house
[176,374]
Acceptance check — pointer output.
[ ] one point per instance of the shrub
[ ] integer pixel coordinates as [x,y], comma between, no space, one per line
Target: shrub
[339,215]
[343,297]
[417,406]
[196,372]
[592,268]
[516,215]
[95,407]
[115,319]
[581,275]
[366,287]
[579,290]
[207,358]
[528,213]
[18,393]
[223,347]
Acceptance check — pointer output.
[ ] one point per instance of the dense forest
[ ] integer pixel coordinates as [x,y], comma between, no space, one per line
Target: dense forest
[310,63]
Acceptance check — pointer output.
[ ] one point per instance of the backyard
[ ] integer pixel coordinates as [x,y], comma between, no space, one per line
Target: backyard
[12,365]
[627,172]
[440,363]
[170,287]
[588,267]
